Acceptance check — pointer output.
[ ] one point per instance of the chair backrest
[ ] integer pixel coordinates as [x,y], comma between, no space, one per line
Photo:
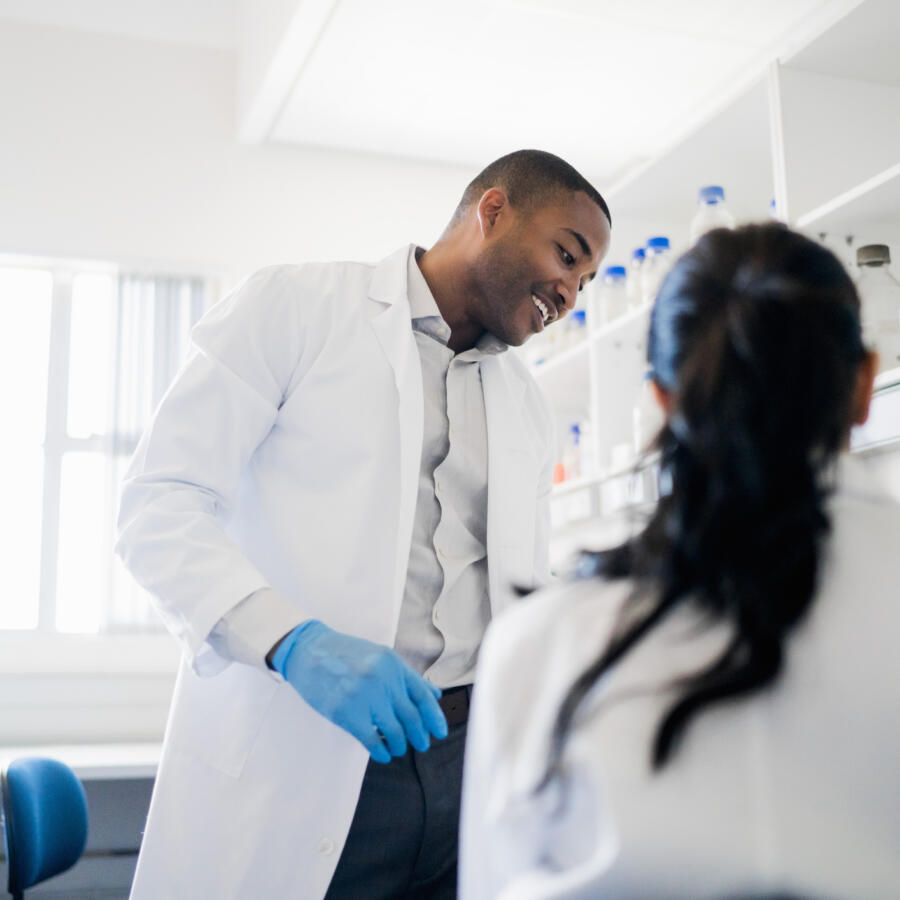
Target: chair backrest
[45,818]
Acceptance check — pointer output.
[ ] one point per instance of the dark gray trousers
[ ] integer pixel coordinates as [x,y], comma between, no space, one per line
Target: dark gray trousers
[403,840]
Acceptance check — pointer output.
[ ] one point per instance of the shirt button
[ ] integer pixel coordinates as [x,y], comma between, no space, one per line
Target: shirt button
[437,616]
[326,846]
[441,552]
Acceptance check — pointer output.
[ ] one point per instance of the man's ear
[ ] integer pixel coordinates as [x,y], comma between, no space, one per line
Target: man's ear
[491,207]
[865,382]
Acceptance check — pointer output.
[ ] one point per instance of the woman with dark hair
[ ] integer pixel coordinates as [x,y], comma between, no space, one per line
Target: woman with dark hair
[714,708]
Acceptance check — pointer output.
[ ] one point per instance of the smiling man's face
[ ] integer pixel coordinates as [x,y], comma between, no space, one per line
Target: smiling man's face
[528,273]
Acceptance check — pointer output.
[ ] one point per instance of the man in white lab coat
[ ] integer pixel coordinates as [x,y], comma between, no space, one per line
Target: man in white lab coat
[333,499]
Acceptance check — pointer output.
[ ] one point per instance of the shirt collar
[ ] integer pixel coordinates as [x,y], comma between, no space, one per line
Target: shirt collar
[423,307]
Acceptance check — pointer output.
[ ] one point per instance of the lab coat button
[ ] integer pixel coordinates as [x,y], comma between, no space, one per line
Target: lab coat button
[326,846]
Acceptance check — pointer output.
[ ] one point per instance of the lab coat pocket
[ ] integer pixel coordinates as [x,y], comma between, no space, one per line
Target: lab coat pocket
[217,720]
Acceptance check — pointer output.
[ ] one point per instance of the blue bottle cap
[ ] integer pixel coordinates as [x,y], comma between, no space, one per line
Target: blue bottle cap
[712,193]
[638,253]
[615,273]
[579,316]
[658,243]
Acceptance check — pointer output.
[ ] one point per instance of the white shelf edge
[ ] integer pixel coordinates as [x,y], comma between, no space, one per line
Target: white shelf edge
[621,323]
[860,190]
[887,379]
[632,468]
[574,484]
[560,359]
[600,334]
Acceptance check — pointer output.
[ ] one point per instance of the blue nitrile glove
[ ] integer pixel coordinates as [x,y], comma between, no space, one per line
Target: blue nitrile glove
[364,688]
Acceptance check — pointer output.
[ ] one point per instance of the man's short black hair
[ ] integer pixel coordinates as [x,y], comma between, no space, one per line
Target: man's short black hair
[531,178]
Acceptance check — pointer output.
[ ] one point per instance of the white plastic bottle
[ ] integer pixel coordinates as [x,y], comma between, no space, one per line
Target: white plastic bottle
[571,455]
[880,295]
[633,282]
[657,262]
[576,327]
[711,212]
[613,294]
[588,444]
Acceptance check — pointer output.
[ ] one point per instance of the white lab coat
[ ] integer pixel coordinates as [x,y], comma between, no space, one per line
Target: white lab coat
[286,454]
[792,790]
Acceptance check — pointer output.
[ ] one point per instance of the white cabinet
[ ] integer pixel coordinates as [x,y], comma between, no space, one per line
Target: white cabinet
[818,131]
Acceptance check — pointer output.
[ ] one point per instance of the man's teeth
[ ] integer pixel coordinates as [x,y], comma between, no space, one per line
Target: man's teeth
[541,306]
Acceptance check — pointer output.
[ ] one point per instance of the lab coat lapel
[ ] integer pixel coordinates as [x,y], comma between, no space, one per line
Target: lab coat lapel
[512,481]
[392,325]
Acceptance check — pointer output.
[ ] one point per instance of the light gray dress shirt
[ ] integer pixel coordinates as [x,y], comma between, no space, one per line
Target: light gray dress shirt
[446,606]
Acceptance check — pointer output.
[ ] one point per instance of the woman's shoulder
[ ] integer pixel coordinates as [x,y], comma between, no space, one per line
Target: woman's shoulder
[535,650]
[559,620]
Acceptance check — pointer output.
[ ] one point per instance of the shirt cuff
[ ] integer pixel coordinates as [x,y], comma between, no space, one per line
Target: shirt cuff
[248,631]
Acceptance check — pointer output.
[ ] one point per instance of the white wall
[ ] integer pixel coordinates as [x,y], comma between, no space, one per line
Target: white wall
[122,149]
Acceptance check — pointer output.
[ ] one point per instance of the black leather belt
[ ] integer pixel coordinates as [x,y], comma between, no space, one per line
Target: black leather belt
[455,704]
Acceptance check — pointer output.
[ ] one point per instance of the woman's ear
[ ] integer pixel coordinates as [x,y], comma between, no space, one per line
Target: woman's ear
[865,383]
[664,399]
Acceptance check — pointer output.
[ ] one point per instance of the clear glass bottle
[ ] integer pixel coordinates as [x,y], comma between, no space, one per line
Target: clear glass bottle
[571,455]
[633,282]
[615,292]
[711,212]
[656,265]
[576,327]
[880,295]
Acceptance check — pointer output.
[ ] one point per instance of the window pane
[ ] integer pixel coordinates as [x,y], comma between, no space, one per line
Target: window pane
[21,485]
[25,302]
[129,608]
[84,536]
[91,362]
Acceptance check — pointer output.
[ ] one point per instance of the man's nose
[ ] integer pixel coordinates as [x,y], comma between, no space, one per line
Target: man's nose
[568,294]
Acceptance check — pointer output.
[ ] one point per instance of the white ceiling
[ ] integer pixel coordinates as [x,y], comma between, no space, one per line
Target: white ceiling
[604,83]
[202,23]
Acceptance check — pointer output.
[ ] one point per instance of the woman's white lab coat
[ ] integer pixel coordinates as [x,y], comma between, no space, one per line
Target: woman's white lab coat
[287,454]
[795,790]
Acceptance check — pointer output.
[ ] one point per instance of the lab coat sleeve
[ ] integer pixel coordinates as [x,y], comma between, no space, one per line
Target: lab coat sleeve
[251,629]
[184,475]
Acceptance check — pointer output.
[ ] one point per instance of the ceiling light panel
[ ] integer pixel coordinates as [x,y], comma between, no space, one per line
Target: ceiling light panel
[467,81]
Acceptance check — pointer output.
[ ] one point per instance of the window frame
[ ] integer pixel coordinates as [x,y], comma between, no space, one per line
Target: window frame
[44,642]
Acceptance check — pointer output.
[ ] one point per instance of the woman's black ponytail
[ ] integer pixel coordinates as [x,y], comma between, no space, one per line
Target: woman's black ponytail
[755,335]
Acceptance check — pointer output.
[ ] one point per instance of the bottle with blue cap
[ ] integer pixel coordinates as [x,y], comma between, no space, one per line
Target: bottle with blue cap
[657,262]
[711,211]
[576,327]
[633,282]
[611,298]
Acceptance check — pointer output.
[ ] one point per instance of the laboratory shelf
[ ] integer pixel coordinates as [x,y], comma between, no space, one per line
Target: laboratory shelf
[875,200]
[772,135]
[568,357]
[572,485]
[620,325]
[887,379]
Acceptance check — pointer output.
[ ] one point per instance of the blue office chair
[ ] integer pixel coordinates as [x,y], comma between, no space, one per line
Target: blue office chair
[45,820]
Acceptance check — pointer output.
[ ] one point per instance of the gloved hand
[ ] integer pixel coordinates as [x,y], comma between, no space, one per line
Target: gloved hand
[364,688]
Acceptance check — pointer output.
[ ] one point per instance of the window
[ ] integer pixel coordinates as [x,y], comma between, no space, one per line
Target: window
[85,356]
